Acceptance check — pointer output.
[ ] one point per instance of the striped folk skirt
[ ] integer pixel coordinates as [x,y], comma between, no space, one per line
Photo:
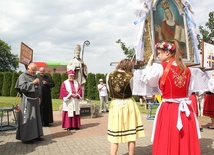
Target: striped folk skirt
[124,121]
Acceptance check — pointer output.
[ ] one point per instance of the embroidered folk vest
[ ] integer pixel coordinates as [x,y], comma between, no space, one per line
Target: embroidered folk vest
[119,85]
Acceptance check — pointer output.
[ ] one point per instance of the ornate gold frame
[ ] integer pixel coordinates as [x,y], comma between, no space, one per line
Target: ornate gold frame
[149,42]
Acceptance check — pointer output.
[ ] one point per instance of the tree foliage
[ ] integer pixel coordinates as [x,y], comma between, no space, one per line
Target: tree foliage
[64,76]
[208,31]
[8,61]
[1,82]
[6,84]
[56,77]
[8,80]
[129,52]
[91,87]
[15,76]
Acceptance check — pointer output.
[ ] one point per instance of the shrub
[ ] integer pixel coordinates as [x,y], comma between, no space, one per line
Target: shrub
[7,84]
[15,76]
[91,86]
[1,82]
[56,77]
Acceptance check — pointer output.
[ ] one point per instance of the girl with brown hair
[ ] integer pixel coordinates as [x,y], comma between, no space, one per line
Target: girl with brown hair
[124,121]
[175,128]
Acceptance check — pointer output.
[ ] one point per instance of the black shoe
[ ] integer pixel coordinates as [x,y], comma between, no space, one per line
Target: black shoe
[28,142]
[39,139]
[70,129]
[107,111]
[209,127]
[77,128]
[46,125]
[201,129]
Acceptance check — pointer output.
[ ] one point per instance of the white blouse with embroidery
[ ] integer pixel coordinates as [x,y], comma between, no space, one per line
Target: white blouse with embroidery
[146,81]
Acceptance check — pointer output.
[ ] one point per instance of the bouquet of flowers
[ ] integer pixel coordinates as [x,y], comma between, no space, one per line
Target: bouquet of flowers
[16,106]
[16,110]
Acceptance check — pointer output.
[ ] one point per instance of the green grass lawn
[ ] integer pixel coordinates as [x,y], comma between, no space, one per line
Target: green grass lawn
[12,101]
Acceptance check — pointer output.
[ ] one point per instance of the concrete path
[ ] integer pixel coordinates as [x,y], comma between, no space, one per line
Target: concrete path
[91,139]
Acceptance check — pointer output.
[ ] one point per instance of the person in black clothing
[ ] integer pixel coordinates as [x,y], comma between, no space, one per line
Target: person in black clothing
[46,102]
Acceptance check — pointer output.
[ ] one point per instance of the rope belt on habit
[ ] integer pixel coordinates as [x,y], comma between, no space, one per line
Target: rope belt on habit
[25,107]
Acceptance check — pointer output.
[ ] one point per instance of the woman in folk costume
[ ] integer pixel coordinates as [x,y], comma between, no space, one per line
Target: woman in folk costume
[124,121]
[195,104]
[209,103]
[71,93]
[175,130]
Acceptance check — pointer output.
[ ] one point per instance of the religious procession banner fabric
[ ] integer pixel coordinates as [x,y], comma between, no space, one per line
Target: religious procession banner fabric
[161,20]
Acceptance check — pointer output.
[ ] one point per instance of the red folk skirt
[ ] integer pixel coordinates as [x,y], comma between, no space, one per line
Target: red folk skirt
[168,140]
[194,100]
[208,105]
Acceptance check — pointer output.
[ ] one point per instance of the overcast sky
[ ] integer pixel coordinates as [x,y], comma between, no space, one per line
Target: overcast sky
[52,28]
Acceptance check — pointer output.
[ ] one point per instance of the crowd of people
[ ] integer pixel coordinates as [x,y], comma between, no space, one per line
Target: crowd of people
[176,126]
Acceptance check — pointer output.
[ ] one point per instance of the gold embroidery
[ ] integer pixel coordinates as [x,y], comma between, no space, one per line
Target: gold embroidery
[118,81]
[179,80]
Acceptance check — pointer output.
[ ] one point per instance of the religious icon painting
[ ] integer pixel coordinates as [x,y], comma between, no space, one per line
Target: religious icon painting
[166,20]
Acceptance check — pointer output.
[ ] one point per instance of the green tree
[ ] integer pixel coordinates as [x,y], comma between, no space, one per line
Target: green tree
[91,86]
[8,61]
[15,76]
[208,31]
[86,89]
[1,82]
[64,76]
[129,52]
[7,84]
[56,77]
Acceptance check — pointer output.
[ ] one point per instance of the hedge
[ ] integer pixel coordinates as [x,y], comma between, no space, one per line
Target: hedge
[15,76]
[91,87]
[7,84]
[56,77]
[8,81]
[1,82]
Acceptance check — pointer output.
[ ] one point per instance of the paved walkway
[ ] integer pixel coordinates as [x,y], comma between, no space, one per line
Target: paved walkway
[91,139]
